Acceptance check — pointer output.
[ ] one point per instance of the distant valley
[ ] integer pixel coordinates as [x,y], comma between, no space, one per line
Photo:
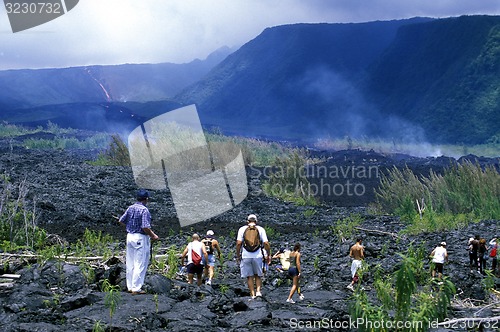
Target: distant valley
[98,97]
[421,79]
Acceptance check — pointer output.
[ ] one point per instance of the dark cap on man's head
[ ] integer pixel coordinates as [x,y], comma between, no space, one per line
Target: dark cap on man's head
[142,194]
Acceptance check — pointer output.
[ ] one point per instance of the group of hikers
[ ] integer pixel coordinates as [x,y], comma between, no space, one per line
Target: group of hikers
[252,248]
[199,256]
[480,252]
[253,253]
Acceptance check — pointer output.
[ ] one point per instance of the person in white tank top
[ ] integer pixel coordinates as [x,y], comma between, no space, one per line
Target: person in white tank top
[439,257]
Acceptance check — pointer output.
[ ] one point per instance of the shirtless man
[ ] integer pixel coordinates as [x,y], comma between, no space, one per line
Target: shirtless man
[357,254]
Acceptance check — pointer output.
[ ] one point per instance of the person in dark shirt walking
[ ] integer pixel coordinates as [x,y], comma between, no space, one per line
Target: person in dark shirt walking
[473,247]
[137,222]
[483,256]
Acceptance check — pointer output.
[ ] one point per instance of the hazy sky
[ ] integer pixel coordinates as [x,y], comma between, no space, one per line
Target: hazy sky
[126,31]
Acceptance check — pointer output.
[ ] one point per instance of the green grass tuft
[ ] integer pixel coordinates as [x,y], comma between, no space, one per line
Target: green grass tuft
[464,193]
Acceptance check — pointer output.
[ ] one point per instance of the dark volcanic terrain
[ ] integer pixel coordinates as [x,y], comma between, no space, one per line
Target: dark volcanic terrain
[70,195]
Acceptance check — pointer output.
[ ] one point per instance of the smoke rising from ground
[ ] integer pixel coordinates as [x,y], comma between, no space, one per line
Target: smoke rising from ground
[347,113]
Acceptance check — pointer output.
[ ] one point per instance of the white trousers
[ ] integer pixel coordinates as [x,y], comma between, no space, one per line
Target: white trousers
[137,260]
[356,264]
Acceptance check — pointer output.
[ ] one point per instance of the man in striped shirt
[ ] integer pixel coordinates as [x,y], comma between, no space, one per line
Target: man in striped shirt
[137,221]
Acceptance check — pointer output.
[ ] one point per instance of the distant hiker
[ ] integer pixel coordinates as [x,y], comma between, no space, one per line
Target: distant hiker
[211,246]
[249,244]
[137,221]
[483,256]
[284,256]
[473,247]
[195,251]
[439,257]
[357,254]
[294,272]
[493,255]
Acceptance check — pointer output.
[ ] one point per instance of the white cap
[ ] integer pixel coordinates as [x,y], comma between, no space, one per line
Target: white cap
[252,217]
[210,233]
[443,244]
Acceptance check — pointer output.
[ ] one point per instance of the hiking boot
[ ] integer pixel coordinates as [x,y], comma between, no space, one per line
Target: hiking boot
[290,301]
[301,297]
[351,287]
[209,282]
[258,294]
[139,292]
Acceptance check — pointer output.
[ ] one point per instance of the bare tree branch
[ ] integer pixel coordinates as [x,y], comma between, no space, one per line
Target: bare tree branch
[376,231]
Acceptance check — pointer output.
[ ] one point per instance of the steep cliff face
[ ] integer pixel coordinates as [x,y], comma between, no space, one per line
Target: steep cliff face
[396,80]
[443,75]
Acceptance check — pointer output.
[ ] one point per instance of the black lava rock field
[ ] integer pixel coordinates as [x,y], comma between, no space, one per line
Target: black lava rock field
[70,195]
